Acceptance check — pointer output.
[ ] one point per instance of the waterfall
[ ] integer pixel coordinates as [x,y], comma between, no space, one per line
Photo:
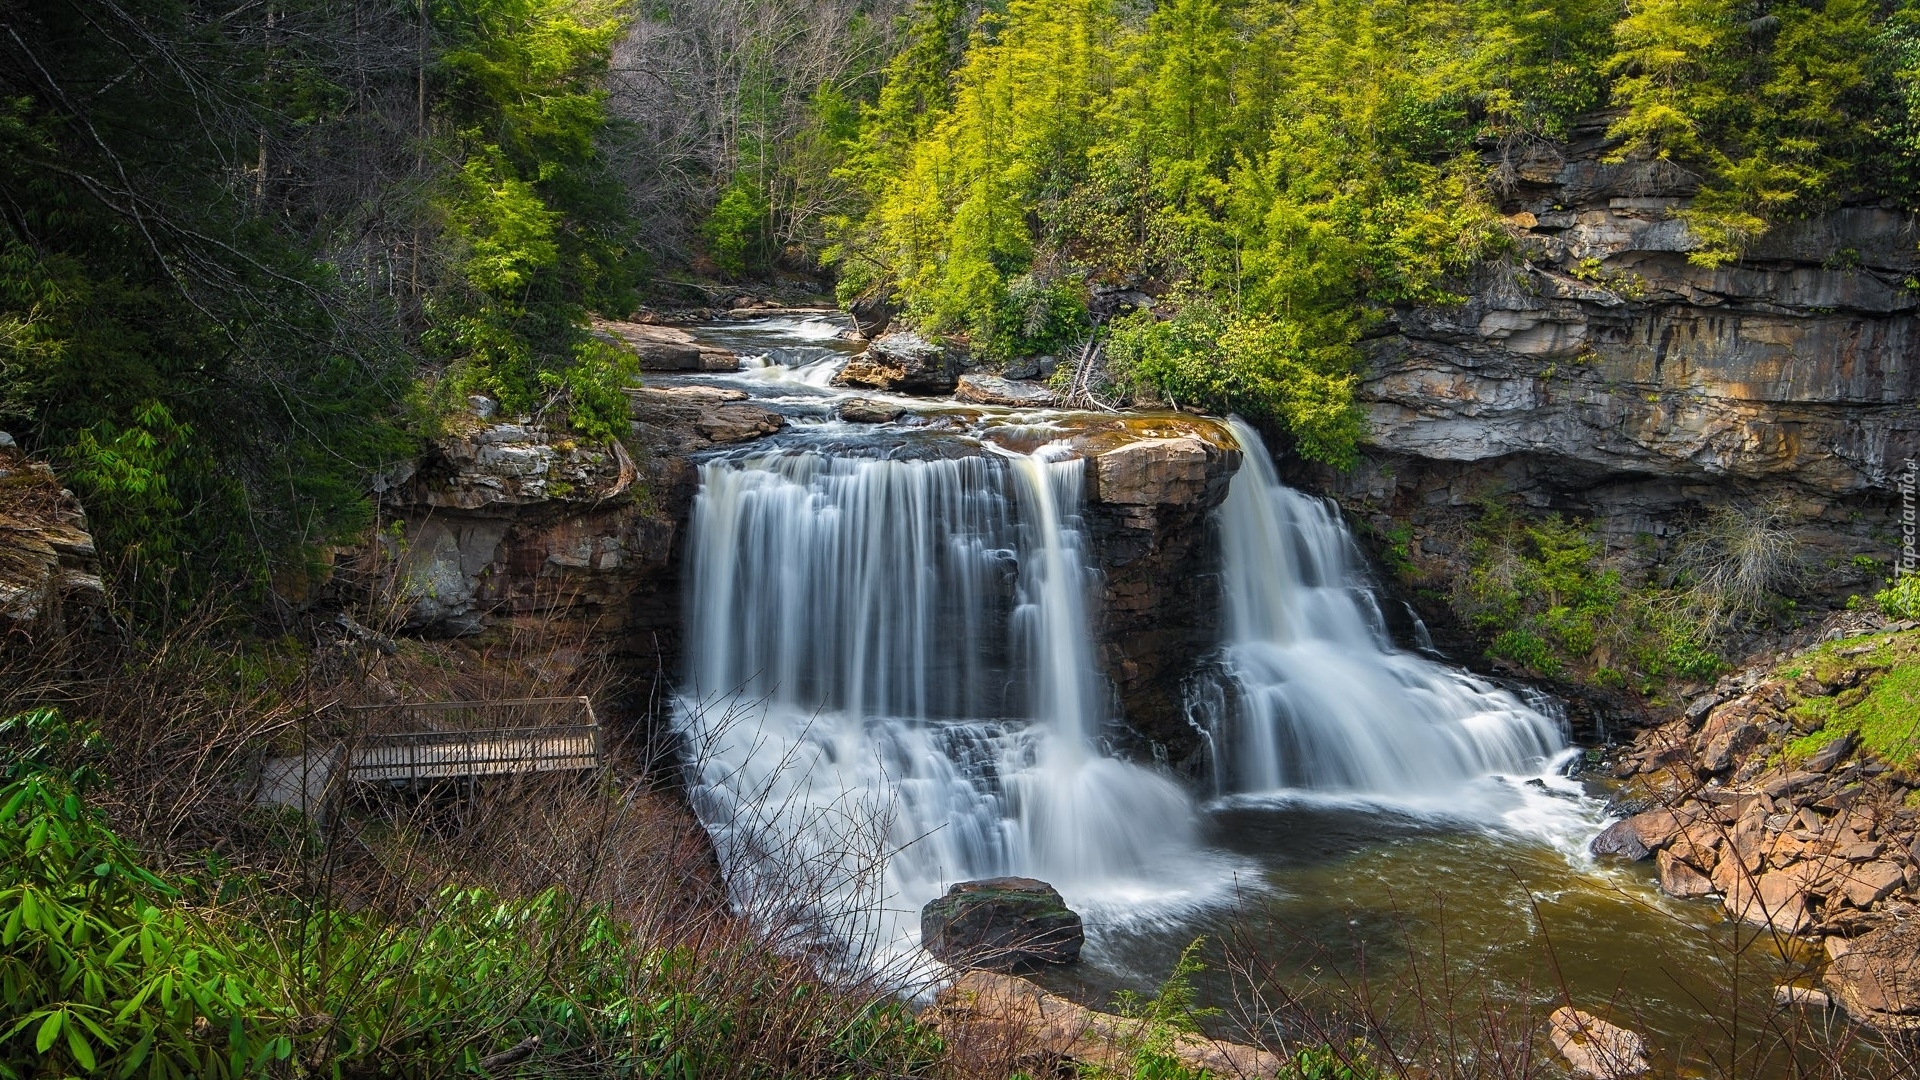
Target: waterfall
[892,688]
[1314,695]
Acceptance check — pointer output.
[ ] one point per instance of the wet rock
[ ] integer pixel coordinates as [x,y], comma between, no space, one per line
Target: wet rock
[1825,758]
[1153,472]
[1805,996]
[738,423]
[993,390]
[903,363]
[1001,924]
[1621,839]
[667,348]
[1678,878]
[1595,1049]
[1029,1025]
[868,411]
[1876,979]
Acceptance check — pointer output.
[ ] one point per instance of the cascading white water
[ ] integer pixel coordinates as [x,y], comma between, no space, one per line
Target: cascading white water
[893,689]
[1316,697]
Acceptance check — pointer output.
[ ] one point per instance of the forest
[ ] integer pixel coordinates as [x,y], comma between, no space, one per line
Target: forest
[259,260]
[252,253]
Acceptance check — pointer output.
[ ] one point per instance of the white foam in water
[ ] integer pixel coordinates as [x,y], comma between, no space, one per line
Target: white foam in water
[909,643]
[814,367]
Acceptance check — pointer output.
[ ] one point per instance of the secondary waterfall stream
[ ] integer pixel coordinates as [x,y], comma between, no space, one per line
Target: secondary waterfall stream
[892,686]
[1319,699]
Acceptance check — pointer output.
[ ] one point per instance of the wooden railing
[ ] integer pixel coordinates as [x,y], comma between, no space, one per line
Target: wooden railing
[439,740]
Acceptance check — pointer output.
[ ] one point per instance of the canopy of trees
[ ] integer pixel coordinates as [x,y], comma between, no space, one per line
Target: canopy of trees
[1288,168]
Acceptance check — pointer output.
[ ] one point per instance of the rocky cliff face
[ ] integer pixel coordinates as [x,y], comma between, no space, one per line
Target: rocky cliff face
[1596,370]
[49,572]
[509,521]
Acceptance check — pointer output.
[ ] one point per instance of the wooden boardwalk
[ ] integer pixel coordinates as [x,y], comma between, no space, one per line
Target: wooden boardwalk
[426,742]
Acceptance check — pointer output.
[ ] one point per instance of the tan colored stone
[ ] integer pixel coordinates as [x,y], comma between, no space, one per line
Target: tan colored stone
[1595,1049]
[1152,472]
[1877,977]
[1677,878]
[1027,1021]
[1868,883]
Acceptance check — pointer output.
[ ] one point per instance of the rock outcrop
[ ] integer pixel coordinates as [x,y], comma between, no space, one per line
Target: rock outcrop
[1001,924]
[1153,483]
[903,363]
[994,390]
[667,348]
[1594,1049]
[1598,371]
[1787,831]
[49,571]
[1032,1031]
[505,521]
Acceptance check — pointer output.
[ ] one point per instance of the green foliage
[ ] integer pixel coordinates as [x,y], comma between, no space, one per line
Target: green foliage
[1171,1012]
[1293,171]
[1539,592]
[1884,714]
[109,969]
[736,230]
[1901,598]
[1327,1063]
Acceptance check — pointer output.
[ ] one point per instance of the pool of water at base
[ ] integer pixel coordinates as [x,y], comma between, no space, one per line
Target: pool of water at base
[1350,912]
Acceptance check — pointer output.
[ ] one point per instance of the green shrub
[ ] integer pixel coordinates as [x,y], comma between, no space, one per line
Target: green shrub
[736,230]
[1900,599]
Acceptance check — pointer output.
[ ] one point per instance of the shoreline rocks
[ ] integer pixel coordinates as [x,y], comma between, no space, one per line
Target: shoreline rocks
[1037,1032]
[660,347]
[1594,1049]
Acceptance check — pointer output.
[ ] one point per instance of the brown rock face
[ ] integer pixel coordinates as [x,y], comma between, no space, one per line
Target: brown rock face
[1600,373]
[49,571]
[1152,484]
[1029,1025]
[1679,879]
[1877,978]
[904,363]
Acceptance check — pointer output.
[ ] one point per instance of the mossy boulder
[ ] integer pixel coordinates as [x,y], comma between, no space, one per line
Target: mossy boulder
[1001,924]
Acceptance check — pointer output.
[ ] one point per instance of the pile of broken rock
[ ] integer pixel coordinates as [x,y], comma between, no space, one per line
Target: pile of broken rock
[1823,847]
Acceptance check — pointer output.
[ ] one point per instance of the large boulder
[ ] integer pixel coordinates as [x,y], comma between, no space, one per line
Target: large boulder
[1154,472]
[993,390]
[1001,924]
[667,348]
[1877,978]
[903,363]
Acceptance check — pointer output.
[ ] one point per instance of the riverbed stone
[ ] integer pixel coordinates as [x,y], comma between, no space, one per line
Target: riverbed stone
[903,363]
[739,422]
[868,411]
[1001,924]
[994,390]
[1876,977]
[667,348]
[1595,1049]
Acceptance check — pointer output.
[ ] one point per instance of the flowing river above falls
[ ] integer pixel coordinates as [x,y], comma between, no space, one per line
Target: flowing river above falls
[892,686]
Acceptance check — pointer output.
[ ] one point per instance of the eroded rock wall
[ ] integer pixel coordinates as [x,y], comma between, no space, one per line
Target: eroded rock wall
[1596,370]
